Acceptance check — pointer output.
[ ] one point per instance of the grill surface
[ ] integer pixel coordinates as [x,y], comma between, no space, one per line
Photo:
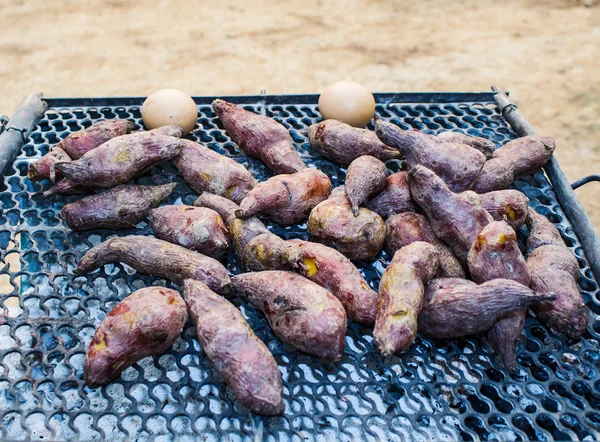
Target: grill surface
[440,389]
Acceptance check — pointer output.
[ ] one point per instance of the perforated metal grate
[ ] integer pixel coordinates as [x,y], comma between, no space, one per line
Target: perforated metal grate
[439,390]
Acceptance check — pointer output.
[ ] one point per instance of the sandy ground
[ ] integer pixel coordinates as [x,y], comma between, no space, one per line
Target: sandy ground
[545,52]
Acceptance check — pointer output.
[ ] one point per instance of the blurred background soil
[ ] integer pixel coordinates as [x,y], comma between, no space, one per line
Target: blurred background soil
[546,53]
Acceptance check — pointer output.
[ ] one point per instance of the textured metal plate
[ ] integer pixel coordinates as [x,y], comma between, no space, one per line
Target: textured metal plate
[439,390]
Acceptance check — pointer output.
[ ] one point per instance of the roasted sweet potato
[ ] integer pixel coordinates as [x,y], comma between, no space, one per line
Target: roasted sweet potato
[146,323]
[79,143]
[554,269]
[333,271]
[515,158]
[300,312]
[208,171]
[40,169]
[117,208]
[333,223]
[234,351]
[506,205]
[196,228]
[483,145]
[401,292]
[341,143]
[406,228]
[286,199]
[394,198]
[366,177]
[67,187]
[458,165]
[456,307]
[121,159]
[171,130]
[260,137]
[456,219]
[156,257]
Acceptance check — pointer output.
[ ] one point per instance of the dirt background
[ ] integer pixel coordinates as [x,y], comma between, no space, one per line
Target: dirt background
[547,53]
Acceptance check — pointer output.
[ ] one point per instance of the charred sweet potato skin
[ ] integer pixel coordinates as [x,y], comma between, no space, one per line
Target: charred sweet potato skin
[458,165]
[401,292]
[287,199]
[515,158]
[485,146]
[121,159]
[196,228]
[236,354]
[208,171]
[118,208]
[336,273]
[300,312]
[156,257]
[506,205]
[366,177]
[394,198]
[260,137]
[40,169]
[341,143]
[332,223]
[79,143]
[406,228]
[146,323]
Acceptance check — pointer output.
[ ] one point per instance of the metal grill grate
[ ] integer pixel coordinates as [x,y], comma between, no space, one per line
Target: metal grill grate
[440,389]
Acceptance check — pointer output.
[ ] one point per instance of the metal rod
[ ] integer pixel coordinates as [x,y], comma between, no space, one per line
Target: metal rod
[582,226]
[586,179]
[19,127]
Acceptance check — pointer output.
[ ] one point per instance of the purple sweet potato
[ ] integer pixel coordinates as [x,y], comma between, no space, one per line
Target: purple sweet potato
[260,137]
[300,312]
[506,205]
[515,158]
[401,292]
[171,130]
[333,271]
[342,143]
[366,177]
[208,171]
[156,257]
[79,143]
[333,223]
[67,187]
[406,228]
[121,159]
[458,165]
[286,199]
[236,354]
[483,145]
[554,269]
[196,228]
[456,307]
[117,208]
[456,219]
[40,169]
[394,198]
[146,323]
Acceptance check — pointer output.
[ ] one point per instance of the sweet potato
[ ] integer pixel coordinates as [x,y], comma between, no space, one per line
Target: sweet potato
[554,269]
[366,177]
[518,157]
[286,199]
[121,159]
[67,187]
[333,271]
[341,143]
[208,171]
[156,257]
[146,323]
[401,292]
[506,205]
[483,145]
[456,307]
[196,228]
[333,223]
[117,208]
[300,312]
[40,169]
[79,143]
[171,130]
[406,228]
[260,137]
[495,254]
[394,198]
[236,354]
[253,243]
[458,165]
[456,219]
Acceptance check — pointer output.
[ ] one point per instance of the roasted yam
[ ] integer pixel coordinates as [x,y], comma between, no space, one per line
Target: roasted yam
[366,177]
[67,187]
[394,198]
[506,205]
[40,169]
[483,145]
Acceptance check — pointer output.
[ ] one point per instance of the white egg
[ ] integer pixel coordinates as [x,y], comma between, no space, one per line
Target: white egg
[349,102]
[170,106]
